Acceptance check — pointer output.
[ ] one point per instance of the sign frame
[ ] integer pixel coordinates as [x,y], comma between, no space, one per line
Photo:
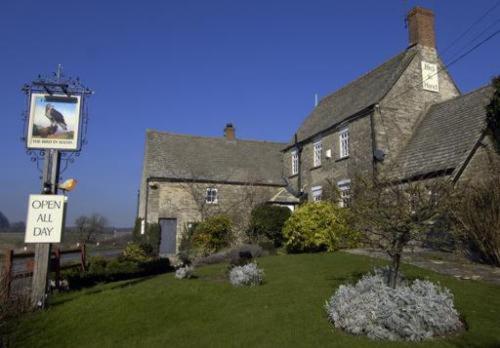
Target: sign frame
[45,218]
[37,119]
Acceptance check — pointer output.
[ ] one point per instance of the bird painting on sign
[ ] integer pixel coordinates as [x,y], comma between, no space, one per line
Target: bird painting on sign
[54,121]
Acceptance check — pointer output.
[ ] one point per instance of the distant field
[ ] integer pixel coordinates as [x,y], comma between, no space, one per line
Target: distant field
[16,241]
[11,240]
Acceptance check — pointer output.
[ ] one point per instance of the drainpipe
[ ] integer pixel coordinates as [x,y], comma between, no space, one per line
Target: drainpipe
[299,154]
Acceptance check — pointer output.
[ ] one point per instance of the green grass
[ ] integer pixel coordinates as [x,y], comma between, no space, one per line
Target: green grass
[287,311]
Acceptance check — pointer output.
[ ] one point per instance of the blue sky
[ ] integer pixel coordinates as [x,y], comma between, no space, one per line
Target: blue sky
[192,66]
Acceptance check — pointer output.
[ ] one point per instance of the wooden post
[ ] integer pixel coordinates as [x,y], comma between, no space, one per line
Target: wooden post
[9,259]
[42,250]
[57,267]
[83,256]
[40,275]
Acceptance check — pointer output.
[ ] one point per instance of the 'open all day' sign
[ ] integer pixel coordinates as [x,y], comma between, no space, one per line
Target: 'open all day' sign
[45,219]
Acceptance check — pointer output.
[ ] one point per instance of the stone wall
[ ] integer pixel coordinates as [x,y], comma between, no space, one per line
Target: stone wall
[334,169]
[186,203]
[484,162]
[399,113]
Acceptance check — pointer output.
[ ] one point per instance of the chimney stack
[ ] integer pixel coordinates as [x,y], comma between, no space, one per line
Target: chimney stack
[230,132]
[421,27]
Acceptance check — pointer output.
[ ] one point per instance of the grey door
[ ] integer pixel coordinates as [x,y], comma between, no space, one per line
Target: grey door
[168,236]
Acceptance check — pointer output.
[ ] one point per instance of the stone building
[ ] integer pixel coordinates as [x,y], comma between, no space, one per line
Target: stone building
[186,178]
[404,120]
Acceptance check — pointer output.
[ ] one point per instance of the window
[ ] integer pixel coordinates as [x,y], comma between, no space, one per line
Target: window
[295,162]
[317,148]
[344,143]
[345,193]
[316,193]
[211,197]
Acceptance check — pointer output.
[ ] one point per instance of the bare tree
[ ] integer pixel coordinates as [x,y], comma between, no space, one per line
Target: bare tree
[88,227]
[390,216]
[240,206]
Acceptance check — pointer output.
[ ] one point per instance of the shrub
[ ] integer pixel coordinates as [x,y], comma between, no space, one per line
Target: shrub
[317,226]
[410,312]
[266,221]
[117,269]
[476,216]
[97,265]
[150,240]
[135,252]
[230,255]
[185,272]
[213,234]
[247,275]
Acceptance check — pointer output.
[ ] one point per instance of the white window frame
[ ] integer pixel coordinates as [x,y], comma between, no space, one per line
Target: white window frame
[211,196]
[344,143]
[344,187]
[317,153]
[316,193]
[295,162]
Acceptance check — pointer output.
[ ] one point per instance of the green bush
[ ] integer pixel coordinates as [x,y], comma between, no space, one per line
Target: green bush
[317,226]
[266,222]
[212,234]
[136,252]
[97,265]
[120,268]
[116,269]
[150,240]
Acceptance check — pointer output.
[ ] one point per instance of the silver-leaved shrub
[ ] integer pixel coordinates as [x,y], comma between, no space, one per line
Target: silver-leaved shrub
[184,272]
[246,275]
[413,311]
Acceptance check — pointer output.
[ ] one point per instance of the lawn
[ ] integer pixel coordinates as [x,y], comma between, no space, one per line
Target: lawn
[287,311]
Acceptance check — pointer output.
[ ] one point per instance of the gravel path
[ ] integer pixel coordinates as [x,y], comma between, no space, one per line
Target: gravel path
[441,262]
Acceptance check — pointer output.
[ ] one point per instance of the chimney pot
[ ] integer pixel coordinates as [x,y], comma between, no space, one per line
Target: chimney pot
[421,27]
[230,132]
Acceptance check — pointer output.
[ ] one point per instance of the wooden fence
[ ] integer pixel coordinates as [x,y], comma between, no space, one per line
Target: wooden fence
[55,266]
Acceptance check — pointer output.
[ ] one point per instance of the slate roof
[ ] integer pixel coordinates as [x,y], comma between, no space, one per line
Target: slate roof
[354,97]
[176,156]
[284,196]
[446,135]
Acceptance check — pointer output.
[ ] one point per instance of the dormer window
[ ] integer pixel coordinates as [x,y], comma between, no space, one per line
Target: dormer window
[317,149]
[295,162]
[211,197]
[344,143]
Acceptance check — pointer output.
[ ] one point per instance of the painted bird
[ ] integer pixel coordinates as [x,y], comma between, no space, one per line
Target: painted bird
[55,117]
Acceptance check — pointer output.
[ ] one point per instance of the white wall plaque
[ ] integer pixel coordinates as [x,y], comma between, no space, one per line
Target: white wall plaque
[430,80]
[45,219]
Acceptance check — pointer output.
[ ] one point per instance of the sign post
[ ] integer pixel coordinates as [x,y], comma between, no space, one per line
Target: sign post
[44,226]
[56,120]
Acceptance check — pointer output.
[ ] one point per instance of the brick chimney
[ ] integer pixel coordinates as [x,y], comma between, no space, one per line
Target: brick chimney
[421,27]
[230,132]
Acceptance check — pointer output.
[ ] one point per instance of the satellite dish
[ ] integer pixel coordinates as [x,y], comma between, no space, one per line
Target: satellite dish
[379,155]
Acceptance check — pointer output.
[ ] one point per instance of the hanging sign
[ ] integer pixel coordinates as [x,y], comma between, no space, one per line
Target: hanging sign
[54,122]
[45,219]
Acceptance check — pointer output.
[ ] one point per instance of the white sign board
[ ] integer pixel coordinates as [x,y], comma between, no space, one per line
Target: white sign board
[54,122]
[430,77]
[45,219]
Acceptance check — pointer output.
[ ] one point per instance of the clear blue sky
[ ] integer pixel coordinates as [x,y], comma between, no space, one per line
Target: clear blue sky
[192,66]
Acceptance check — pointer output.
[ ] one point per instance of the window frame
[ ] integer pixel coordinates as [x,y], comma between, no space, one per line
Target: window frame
[317,153]
[211,198]
[295,162]
[344,142]
[344,187]
[314,193]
